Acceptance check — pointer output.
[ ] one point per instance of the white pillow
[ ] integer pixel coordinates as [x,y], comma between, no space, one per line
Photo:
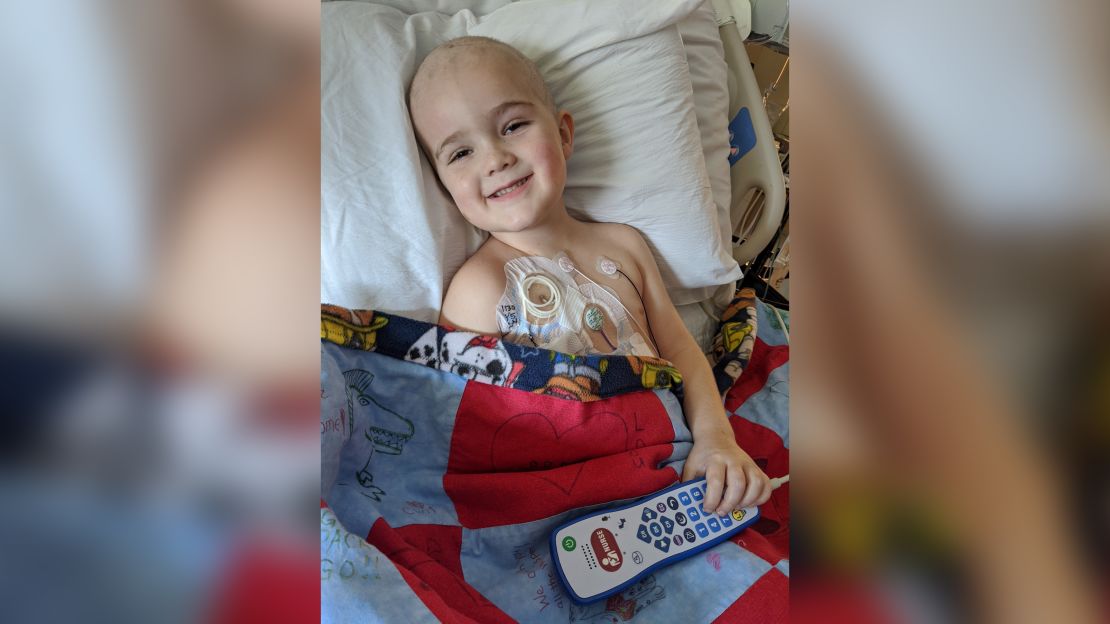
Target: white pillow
[391,239]
[705,58]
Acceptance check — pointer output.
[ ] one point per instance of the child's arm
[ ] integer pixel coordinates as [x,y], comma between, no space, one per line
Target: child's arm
[471,300]
[732,478]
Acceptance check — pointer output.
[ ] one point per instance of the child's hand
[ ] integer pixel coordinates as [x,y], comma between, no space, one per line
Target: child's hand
[729,471]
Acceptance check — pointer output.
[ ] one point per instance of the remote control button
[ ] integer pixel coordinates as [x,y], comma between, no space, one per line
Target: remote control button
[668,524]
[693,513]
[655,529]
[648,515]
[672,502]
[726,521]
[697,493]
[714,525]
[677,540]
[662,507]
[702,531]
[688,534]
[642,533]
[684,498]
[680,518]
[663,543]
[738,514]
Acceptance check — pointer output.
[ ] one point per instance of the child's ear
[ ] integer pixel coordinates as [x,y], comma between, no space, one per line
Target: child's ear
[566,132]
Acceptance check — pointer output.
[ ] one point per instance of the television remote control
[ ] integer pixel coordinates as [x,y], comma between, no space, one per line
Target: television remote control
[607,551]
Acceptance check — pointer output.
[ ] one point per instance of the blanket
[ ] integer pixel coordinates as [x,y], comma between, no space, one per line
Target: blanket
[447,458]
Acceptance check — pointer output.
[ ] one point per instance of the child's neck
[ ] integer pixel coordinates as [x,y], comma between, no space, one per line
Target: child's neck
[543,239]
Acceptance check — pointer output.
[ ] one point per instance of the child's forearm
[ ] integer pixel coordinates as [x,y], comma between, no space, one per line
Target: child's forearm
[705,413]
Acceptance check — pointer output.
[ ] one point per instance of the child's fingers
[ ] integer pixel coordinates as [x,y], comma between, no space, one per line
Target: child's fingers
[714,483]
[767,490]
[758,490]
[735,490]
[689,471]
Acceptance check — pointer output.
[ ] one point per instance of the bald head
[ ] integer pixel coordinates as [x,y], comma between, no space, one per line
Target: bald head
[474,53]
[477,51]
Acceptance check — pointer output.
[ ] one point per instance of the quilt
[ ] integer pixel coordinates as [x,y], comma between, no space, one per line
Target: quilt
[448,457]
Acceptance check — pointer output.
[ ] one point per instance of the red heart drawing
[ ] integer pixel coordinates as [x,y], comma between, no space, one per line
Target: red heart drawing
[517,456]
[543,443]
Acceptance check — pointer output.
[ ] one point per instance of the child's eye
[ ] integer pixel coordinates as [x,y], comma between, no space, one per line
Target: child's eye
[457,154]
[514,126]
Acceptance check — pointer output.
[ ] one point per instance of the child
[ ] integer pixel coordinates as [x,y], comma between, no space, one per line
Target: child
[487,122]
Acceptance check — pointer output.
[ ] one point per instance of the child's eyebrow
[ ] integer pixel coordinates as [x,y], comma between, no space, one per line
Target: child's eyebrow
[504,106]
[494,112]
[454,135]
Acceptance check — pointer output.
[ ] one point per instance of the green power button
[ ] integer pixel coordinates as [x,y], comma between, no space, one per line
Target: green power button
[569,543]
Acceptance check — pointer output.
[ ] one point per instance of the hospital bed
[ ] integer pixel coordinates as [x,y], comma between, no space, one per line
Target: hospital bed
[672,139]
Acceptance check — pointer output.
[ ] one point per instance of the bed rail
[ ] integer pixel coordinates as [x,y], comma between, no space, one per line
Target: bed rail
[754,222]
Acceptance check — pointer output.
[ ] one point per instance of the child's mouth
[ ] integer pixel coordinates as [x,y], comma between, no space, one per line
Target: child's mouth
[512,189]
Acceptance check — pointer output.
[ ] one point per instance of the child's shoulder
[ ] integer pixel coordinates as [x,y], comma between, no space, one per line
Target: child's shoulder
[482,273]
[620,237]
[474,292]
[618,233]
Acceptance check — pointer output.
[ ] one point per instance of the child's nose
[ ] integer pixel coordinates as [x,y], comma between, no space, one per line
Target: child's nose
[499,160]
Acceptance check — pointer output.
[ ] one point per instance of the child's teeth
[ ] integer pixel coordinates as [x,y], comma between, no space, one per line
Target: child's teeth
[508,190]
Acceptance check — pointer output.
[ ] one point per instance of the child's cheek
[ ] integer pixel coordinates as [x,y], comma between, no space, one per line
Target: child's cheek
[461,189]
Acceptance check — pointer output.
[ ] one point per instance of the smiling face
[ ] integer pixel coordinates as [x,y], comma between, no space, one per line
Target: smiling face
[496,143]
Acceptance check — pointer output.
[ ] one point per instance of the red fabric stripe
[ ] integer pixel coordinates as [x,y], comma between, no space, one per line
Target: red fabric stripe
[758,544]
[766,448]
[518,456]
[441,542]
[764,360]
[438,580]
[765,602]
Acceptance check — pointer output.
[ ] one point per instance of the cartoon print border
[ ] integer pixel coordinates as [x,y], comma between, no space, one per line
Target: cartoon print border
[500,363]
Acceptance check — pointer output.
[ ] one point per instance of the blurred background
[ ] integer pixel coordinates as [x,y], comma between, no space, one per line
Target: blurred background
[951,371]
[159,179]
[159,185]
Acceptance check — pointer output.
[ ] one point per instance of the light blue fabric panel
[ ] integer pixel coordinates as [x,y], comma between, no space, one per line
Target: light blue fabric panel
[771,329]
[335,426]
[770,406]
[783,566]
[359,584]
[511,566]
[403,415]
[683,439]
